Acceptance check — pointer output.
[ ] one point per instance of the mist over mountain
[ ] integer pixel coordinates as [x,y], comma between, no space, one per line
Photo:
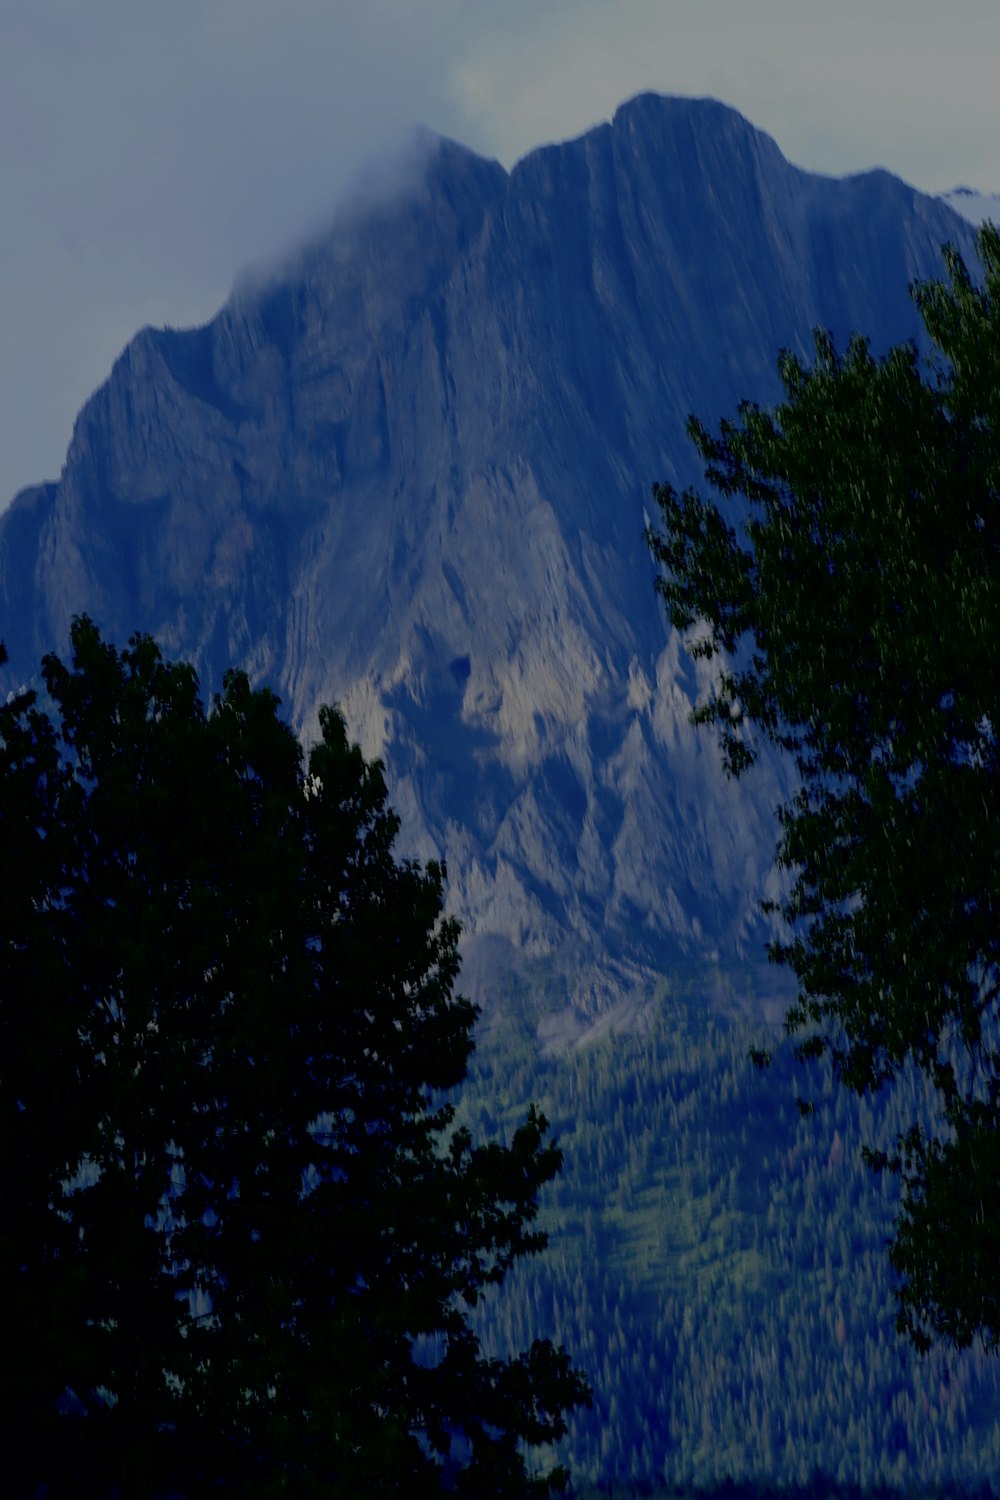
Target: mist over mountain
[409,474]
[973,205]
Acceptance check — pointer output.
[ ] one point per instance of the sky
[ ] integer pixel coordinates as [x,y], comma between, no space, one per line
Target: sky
[150,151]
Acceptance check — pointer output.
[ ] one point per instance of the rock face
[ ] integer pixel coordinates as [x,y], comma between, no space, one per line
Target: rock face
[409,473]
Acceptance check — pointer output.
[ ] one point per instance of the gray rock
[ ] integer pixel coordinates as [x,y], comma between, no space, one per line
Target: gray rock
[409,473]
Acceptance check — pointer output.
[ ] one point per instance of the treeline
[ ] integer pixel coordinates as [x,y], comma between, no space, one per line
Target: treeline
[818,1488]
[717,1269]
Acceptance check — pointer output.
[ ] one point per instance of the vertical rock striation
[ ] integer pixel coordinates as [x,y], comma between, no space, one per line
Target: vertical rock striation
[408,474]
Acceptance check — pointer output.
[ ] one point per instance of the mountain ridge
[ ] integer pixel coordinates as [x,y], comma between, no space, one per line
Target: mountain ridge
[408,473]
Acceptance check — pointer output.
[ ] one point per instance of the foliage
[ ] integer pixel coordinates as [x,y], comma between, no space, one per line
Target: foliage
[241,1236]
[815,1489]
[850,574]
[717,1266]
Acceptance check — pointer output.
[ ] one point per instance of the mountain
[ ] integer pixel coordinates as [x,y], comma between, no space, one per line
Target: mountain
[408,473]
[973,205]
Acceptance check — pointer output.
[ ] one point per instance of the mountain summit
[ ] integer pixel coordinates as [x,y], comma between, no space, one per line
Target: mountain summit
[408,474]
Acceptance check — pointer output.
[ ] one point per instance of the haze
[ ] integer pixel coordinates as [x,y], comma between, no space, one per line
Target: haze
[149,152]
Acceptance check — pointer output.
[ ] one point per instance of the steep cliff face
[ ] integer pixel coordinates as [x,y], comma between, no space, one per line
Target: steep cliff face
[408,474]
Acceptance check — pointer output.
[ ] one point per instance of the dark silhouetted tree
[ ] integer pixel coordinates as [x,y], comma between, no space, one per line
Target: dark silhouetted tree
[241,1236]
[847,576]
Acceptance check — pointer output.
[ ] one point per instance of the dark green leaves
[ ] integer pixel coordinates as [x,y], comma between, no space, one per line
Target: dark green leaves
[849,575]
[232,1204]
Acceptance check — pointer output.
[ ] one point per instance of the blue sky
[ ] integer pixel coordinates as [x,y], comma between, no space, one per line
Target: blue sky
[149,151]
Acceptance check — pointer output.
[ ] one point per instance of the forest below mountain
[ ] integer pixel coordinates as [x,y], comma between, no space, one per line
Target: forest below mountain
[717,1268]
[409,476]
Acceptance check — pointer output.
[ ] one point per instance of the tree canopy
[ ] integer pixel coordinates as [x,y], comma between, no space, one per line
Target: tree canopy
[241,1236]
[845,576]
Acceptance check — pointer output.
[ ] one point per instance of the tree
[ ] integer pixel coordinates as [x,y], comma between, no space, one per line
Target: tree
[847,580]
[241,1235]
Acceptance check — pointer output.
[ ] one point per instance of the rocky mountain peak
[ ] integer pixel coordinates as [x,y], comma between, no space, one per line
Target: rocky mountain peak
[407,471]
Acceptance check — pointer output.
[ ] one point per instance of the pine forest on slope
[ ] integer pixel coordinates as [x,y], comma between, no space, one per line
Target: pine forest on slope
[717,1269]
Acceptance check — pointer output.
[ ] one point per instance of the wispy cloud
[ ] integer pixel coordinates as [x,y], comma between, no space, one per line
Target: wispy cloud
[151,151]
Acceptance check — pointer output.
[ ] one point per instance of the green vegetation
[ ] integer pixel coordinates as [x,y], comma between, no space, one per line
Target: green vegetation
[847,579]
[717,1268]
[240,1242]
[817,1489]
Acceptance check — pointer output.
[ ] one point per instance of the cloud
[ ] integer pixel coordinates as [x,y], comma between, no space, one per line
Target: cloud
[152,151]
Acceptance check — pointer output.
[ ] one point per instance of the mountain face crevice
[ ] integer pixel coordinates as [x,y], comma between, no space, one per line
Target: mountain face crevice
[407,473]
